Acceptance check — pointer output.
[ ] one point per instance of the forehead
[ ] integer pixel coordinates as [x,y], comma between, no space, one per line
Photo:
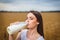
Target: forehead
[30,15]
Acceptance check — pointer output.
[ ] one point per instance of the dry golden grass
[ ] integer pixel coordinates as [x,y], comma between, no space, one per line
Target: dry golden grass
[51,23]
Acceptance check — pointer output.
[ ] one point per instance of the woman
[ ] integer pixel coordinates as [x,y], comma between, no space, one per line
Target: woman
[34,29]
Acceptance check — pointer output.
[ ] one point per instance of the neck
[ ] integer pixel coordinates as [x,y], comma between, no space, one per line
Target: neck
[33,31]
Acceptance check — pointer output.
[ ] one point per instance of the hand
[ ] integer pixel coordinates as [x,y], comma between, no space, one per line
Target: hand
[15,23]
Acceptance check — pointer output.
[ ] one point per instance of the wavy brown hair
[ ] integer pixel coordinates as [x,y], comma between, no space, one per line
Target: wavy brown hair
[39,19]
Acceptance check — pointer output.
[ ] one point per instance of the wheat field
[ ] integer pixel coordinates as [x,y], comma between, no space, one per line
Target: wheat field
[51,23]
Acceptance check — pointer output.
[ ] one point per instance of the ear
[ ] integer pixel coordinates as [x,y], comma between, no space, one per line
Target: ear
[37,22]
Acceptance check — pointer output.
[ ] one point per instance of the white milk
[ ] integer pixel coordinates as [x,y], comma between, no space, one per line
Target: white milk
[15,28]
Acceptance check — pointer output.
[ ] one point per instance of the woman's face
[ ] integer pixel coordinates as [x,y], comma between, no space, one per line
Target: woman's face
[32,21]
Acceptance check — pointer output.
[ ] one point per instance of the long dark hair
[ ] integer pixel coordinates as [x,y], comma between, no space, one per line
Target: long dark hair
[39,19]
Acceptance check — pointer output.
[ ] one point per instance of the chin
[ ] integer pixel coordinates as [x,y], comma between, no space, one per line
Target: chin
[28,27]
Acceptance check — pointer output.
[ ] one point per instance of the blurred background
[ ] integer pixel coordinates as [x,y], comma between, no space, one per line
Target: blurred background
[16,10]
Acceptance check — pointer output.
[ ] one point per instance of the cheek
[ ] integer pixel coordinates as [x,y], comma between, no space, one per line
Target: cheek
[32,24]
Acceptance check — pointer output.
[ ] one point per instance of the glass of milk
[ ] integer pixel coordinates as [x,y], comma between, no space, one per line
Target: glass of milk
[17,27]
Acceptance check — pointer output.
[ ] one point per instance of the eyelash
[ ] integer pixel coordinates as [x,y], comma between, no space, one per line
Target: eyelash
[29,18]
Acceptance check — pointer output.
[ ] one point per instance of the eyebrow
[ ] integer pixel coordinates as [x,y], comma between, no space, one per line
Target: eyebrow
[31,17]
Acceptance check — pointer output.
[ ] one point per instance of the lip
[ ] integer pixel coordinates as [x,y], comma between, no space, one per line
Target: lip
[28,24]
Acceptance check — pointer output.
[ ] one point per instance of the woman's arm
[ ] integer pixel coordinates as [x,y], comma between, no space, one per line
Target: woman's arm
[18,36]
[11,37]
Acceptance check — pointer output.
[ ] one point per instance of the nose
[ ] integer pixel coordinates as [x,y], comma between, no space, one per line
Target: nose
[27,21]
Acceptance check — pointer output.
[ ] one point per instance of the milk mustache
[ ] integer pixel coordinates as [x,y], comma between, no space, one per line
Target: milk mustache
[15,28]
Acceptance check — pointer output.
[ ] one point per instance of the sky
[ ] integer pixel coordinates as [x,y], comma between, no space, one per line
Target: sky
[26,5]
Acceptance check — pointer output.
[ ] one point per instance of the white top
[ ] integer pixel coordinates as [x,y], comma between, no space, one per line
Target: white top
[24,33]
